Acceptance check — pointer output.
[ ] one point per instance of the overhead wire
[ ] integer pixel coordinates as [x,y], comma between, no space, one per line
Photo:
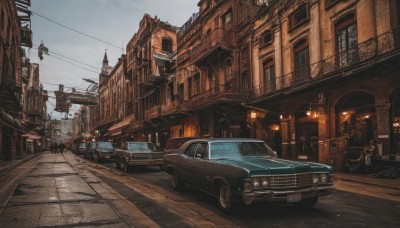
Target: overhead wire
[84,34]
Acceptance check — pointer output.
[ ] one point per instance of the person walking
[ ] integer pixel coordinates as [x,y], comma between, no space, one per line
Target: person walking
[62,147]
[55,147]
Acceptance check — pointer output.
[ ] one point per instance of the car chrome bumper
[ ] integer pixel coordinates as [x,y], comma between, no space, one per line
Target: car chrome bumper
[286,195]
[146,162]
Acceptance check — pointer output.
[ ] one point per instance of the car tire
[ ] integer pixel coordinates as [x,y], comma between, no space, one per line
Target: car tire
[126,167]
[177,183]
[308,203]
[224,198]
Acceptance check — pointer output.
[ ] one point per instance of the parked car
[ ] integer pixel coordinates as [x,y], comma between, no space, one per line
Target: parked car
[246,170]
[81,148]
[103,151]
[138,154]
[90,150]
[173,144]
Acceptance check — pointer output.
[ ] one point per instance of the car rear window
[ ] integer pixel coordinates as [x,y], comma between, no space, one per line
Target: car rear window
[104,145]
[140,146]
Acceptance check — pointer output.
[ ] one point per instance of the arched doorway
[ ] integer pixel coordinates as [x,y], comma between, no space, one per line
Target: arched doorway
[356,118]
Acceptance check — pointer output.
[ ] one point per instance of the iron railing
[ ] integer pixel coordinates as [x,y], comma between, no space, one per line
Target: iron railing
[213,96]
[217,36]
[343,63]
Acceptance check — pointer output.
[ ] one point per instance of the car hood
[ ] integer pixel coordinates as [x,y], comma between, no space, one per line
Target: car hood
[267,165]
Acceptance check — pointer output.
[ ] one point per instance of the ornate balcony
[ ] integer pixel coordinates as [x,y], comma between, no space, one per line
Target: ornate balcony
[343,64]
[214,42]
[213,96]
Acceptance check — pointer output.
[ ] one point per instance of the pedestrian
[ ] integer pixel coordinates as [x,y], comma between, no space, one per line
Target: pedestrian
[55,147]
[51,147]
[62,147]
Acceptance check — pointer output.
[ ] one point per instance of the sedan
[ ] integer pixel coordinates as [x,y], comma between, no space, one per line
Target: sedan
[246,170]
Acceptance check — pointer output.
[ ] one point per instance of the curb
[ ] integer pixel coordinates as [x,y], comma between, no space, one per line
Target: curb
[15,163]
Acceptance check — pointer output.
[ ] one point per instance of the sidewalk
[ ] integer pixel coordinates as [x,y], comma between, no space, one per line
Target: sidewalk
[54,194]
[368,179]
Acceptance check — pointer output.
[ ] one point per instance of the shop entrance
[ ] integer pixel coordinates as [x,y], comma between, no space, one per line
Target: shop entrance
[356,118]
[307,141]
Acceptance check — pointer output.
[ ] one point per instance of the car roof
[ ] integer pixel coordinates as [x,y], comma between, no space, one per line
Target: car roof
[226,140]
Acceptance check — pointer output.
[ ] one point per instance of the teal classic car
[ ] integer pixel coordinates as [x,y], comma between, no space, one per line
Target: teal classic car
[246,170]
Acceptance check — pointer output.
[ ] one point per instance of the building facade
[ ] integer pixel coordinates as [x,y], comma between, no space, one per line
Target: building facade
[311,78]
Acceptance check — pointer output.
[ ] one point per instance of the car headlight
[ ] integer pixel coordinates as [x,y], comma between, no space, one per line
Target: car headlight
[255,182]
[324,178]
[264,182]
[315,179]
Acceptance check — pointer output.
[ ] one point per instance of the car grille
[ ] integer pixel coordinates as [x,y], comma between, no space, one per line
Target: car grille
[291,181]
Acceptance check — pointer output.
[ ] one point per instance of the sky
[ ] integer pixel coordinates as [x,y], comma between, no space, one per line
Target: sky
[112,21]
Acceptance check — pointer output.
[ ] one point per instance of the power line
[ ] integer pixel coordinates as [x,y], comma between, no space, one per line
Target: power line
[74,64]
[84,34]
[52,52]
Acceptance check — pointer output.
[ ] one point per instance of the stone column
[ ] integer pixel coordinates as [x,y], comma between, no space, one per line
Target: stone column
[383,123]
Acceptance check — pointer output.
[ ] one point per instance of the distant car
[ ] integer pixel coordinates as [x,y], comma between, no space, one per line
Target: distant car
[81,148]
[138,154]
[173,144]
[103,151]
[246,170]
[90,150]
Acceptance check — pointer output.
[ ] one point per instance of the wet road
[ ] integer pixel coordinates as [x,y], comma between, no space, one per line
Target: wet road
[150,190]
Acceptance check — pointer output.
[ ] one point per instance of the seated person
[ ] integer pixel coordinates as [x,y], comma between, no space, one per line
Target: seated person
[363,162]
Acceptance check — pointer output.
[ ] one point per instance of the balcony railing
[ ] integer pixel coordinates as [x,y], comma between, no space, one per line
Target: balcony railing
[344,62]
[217,37]
[215,95]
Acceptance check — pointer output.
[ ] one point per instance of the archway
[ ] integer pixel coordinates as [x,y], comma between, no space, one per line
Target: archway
[356,118]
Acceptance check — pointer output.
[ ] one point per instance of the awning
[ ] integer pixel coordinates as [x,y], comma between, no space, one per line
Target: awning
[123,123]
[32,135]
[116,133]
[161,58]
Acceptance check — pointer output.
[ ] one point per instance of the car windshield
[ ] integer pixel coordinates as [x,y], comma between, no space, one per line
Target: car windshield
[104,145]
[140,146]
[239,149]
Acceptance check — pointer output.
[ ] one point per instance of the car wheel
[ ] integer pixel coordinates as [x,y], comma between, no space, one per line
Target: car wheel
[225,201]
[177,183]
[126,167]
[308,203]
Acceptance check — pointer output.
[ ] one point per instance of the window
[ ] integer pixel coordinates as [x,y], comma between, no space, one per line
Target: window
[299,16]
[301,61]
[266,37]
[190,87]
[171,91]
[269,76]
[227,20]
[181,92]
[214,82]
[346,40]
[201,151]
[228,69]
[166,45]
[197,85]
[190,151]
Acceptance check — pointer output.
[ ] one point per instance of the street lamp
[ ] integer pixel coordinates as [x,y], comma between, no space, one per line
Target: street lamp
[253,117]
